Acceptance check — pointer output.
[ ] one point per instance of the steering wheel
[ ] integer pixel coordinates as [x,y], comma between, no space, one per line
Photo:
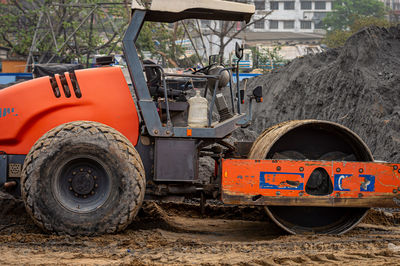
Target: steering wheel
[203,70]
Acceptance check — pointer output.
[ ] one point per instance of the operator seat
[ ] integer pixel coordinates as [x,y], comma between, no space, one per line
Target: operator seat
[153,76]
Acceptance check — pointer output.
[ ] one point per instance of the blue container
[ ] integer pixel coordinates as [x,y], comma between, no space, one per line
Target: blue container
[6,78]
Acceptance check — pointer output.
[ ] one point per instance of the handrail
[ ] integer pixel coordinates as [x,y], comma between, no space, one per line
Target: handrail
[216,77]
[191,76]
[169,122]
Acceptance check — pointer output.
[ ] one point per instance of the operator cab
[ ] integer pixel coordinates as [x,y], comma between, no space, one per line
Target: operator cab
[170,91]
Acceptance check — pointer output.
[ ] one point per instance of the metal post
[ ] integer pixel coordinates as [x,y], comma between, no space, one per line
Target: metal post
[30,56]
[238,87]
[213,102]
[52,31]
[202,39]
[232,94]
[191,41]
[147,107]
[3,168]
[90,40]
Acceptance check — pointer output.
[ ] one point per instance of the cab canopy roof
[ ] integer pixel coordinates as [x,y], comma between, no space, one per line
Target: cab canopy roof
[174,10]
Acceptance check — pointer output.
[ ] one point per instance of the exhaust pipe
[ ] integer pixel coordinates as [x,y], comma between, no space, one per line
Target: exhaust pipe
[10,184]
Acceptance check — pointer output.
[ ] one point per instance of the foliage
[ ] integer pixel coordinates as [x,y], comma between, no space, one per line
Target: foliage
[267,57]
[338,38]
[188,61]
[346,12]
[363,22]
[271,55]
[161,40]
[58,21]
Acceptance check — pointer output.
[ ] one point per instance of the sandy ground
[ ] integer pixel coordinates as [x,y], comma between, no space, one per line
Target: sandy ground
[177,234]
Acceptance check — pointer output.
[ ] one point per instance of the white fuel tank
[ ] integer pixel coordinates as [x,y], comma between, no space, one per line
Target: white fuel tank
[198,107]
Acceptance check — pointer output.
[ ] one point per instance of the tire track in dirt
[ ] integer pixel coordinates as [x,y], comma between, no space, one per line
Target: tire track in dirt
[173,233]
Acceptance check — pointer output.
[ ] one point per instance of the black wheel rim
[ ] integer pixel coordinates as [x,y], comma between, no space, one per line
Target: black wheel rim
[82,184]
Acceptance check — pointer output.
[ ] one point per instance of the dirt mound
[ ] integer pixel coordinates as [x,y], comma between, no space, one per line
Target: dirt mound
[10,204]
[356,86]
[382,217]
[13,216]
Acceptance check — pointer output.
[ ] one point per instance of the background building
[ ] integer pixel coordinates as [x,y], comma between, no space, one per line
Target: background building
[3,52]
[393,7]
[294,25]
[291,16]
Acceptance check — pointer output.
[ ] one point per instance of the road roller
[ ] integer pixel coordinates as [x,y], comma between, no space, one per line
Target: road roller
[84,148]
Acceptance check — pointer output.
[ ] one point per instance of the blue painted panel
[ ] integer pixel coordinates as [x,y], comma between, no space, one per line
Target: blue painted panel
[244,76]
[7,79]
[368,184]
[265,185]
[338,180]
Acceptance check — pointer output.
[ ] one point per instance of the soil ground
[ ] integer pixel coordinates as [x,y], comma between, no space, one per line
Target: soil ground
[177,234]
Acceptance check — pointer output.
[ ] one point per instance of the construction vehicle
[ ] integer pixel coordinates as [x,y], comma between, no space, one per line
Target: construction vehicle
[85,157]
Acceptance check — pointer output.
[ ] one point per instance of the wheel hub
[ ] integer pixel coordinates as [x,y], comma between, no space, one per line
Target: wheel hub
[83,182]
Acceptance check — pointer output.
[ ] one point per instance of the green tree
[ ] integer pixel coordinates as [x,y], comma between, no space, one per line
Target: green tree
[162,40]
[267,57]
[338,38]
[346,12]
[67,29]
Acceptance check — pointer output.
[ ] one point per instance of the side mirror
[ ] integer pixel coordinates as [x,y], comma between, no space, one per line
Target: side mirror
[239,51]
[243,90]
[257,93]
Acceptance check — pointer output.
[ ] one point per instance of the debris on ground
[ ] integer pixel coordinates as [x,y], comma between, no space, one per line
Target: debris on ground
[177,233]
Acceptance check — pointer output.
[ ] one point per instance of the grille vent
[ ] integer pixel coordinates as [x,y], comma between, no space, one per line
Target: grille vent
[14,170]
[65,87]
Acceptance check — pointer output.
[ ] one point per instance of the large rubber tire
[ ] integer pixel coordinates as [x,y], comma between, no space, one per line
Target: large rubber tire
[313,140]
[83,178]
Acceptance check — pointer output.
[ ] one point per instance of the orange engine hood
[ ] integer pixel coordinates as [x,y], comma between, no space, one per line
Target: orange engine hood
[30,109]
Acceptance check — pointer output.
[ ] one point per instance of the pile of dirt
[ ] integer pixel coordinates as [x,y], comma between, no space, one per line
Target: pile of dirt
[13,215]
[382,217]
[356,86]
[10,204]
[386,217]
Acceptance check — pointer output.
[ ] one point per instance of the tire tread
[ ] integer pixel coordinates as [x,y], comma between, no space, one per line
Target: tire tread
[120,222]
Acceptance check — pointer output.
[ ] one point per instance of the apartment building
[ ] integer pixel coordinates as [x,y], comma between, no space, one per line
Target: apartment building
[291,23]
[392,5]
[302,16]
[393,8]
